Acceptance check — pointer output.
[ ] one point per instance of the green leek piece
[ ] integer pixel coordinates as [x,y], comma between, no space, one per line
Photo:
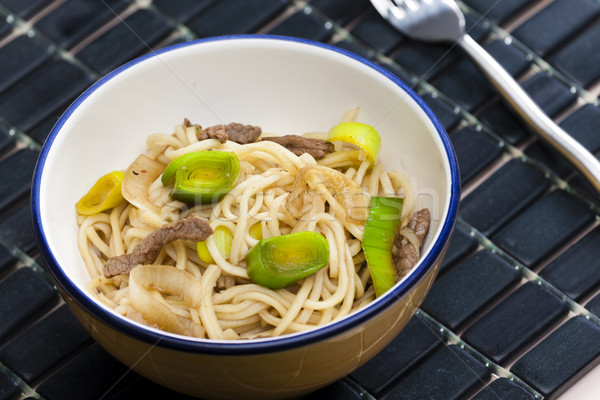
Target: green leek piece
[362,135]
[378,239]
[203,176]
[279,261]
[223,240]
[168,175]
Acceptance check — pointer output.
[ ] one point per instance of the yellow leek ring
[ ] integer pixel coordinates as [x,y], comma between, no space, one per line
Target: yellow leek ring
[104,195]
[223,240]
[362,135]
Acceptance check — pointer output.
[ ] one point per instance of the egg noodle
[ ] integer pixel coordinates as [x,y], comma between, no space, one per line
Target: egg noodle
[217,300]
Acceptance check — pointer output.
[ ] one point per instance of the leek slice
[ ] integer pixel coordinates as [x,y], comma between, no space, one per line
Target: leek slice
[362,135]
[203,176]
[223,240]
[168,174]
[280,261]
[104,195]
[255,231]
[378,239]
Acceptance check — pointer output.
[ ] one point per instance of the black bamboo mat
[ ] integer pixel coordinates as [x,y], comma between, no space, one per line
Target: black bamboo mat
[515,311]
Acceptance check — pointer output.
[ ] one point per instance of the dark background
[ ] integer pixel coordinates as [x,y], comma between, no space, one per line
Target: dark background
[514,311]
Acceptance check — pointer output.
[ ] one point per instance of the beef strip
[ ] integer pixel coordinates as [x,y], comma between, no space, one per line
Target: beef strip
[239,133]
[191,228]
[208,133]
[407,256]
[299,145]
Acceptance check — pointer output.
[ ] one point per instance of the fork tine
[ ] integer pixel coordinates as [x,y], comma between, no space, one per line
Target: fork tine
[397,8]
[398,3]
[401,4]
[412,4]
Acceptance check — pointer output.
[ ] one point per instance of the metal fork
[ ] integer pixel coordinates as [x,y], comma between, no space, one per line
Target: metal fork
[442,20]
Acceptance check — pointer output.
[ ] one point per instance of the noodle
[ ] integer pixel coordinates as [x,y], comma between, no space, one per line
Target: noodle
[226,304]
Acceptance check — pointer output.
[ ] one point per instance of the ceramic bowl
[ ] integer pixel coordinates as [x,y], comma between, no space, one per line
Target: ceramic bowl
[284,85]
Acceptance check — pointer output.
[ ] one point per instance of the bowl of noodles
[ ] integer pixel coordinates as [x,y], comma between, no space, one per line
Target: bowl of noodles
[245,216]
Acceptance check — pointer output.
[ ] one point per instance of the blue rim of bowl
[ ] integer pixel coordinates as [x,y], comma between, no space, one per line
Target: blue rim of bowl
[259,346]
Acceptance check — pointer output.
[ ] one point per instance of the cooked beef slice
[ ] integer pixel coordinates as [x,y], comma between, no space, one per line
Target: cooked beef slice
[234,131]
[407,256]
[299,145]
[191,228]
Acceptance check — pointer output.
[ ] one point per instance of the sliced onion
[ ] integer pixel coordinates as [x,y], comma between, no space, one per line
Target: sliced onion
[353,199]
[145,283]
[137,180]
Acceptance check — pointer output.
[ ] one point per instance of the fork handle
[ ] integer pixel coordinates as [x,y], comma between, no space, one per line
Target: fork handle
[573,151]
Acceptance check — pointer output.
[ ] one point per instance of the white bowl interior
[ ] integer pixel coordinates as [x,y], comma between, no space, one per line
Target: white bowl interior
[286,87]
